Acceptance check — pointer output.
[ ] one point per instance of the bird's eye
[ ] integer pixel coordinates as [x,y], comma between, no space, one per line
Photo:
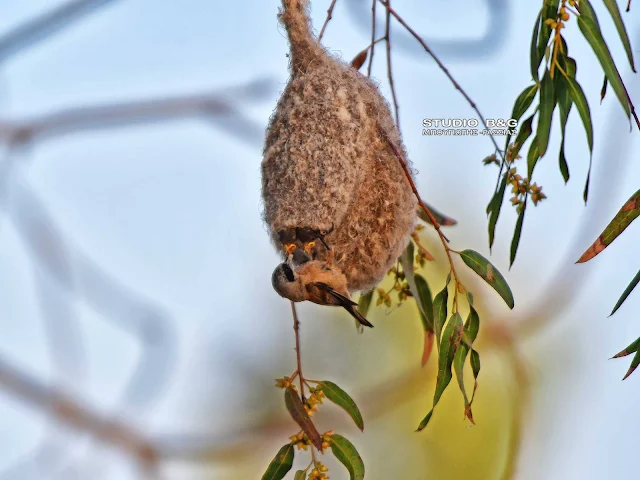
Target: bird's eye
[288,272]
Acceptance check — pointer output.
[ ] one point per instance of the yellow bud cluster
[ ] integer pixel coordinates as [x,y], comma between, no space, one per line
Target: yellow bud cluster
[284,382]
[301,441]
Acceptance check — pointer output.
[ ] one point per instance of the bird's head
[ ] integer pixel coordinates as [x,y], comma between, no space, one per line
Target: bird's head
[287,284]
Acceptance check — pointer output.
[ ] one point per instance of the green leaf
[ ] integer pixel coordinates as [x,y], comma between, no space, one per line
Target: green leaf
[489,273]
[547,106]
[515,241]
[564,106]
[406,260]
[475,363]
[458,367]
[533,156]
[281,464]
[425,421]
[424,297]
[441,218]
[634,347]
[603,90]
[471,326]
[591,31]
[571,67]
[494,208]
[440,311]
[550,10]
[470,332]
[626,292]
[533,54]
[364,303]
[523,102]
[523,134]
[627,214]
[347,454]
[448,346]
[562,162]
[296,408]
[612,6]
[338,396]
[634,364]
[300,474]
[521,105]
[580,101]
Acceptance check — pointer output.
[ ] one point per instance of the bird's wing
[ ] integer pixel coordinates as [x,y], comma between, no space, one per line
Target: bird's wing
[348,304]
[342,300]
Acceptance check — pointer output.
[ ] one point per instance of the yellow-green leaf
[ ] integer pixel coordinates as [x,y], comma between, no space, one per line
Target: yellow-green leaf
[341,398]
[489,273]
[627,214]
[281,464]
[626,292]
[347,454]
[296,408]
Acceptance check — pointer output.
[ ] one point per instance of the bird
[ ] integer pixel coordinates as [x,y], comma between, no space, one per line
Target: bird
[334,169]
[318,282]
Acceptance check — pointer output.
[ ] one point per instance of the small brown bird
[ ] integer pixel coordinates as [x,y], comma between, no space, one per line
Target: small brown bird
[317,282]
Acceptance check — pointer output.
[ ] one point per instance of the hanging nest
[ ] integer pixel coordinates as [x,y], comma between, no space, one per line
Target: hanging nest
[331,169]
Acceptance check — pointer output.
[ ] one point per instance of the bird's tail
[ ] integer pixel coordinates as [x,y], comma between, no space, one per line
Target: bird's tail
[353,310]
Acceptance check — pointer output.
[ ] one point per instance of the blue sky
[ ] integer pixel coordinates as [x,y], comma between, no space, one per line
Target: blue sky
[172,210]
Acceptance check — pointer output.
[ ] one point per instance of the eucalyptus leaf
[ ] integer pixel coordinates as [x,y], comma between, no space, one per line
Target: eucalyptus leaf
[489,273]
[281,464]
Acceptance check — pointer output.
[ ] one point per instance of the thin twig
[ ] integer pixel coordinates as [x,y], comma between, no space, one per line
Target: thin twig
[387,37]
[444,69]
[74,414]
[373,36]
[426,209]
[329,17]
[209,105]
[296,329]
[38,29]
